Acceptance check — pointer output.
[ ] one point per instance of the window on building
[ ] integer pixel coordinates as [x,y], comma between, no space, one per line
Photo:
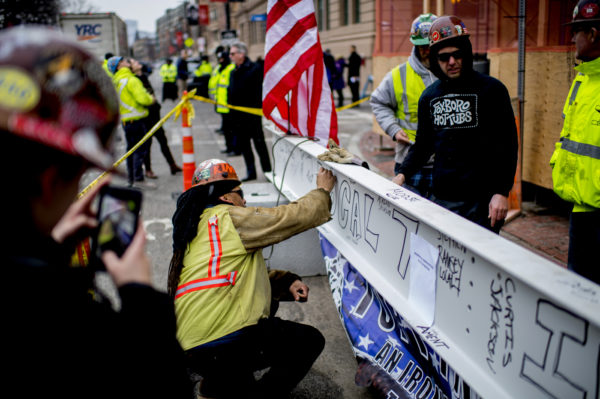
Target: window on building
[344,12]
[321,14]
[258,32]
[356,11]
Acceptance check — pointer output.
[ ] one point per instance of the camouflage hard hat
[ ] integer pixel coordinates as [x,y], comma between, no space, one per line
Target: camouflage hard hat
[54,92]
[215,170]
[446,27]
[419,30]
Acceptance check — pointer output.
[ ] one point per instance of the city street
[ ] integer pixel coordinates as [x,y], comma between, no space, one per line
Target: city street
[332,376]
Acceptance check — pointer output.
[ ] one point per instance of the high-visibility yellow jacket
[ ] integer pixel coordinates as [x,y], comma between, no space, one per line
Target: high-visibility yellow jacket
[204,69]
[222,86]
[408,86]
[212,82]
[224,286]
[133,96]
[168,73]
[105,67]
[576,159]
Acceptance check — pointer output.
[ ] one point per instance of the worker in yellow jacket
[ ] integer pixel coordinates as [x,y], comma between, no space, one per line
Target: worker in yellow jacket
[576,159]
[395,101]
[168,73]
[134,100]
[202,75]
[222,291]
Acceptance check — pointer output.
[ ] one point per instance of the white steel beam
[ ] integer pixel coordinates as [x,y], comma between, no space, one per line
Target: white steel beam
[509,322]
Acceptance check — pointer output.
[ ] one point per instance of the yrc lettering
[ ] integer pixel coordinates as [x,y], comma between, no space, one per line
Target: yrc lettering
[88,29]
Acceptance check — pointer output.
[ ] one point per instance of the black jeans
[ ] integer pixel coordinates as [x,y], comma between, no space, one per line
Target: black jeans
[152,119]
[134,132]
[227,364]
[584,240]
[476,211]
[231,140]
[250,129]
[354,89]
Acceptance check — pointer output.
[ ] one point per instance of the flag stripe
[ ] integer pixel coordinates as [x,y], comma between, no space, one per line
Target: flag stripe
[280,49]
[296,93]
[278,9]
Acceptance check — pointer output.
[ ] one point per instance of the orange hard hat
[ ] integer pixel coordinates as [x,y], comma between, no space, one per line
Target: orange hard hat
[213,171]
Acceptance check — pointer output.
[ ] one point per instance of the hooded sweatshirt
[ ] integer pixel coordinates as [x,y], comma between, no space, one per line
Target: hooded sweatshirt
[469,124]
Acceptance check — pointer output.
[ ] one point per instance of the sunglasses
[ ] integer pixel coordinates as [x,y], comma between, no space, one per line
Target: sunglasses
[445,57]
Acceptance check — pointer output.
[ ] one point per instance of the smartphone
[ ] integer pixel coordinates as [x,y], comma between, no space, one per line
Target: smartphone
[118,214]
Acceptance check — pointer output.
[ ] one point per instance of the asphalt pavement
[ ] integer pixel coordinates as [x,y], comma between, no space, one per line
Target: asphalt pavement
[332,375]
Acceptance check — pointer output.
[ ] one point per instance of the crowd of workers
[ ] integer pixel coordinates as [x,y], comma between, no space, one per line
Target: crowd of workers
[457,145]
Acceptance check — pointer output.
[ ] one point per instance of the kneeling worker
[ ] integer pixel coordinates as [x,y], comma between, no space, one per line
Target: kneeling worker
[221,287]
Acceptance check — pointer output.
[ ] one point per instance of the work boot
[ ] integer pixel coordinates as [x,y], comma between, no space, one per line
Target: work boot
[175,169]
[151,175]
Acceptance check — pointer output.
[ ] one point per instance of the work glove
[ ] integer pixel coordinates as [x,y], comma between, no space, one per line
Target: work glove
[340,155]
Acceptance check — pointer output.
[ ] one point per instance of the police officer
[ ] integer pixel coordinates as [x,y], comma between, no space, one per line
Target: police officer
[202,75]
[221,97]
[168,73]
[576,159]
[396,99]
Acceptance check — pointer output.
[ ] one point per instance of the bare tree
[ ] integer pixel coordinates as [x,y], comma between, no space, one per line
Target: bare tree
[76,6]
[40,12]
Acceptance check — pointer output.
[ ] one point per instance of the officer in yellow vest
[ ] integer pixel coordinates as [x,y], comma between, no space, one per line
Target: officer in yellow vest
[395,101]
[134,100]
[212,82]
[576,159]
[168,73]
[202,76]
[222,85]
[223,293]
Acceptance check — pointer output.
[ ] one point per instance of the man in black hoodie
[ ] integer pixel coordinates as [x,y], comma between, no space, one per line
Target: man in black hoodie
[467,121]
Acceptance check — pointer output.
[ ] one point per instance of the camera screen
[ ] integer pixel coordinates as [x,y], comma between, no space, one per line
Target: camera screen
[117,219]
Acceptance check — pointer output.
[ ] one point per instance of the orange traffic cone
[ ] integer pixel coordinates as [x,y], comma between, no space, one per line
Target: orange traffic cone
[189,164]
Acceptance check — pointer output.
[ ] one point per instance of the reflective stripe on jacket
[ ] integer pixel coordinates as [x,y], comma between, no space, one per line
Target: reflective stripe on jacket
[224,285]
[576,159]
[168,73]
[222,86]
[408,86]
[212,82]
[133,96]
[204,69]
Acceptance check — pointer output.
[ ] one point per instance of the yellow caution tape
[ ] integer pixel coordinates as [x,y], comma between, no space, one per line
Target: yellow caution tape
[248,110]
[187,104]
[354,104]
[176,110]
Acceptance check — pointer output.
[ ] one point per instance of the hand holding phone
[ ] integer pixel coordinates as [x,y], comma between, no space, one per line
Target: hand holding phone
[134,266]
[118,215]
[119,245]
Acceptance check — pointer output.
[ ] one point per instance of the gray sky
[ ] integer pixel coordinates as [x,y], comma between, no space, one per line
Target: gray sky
[146,12]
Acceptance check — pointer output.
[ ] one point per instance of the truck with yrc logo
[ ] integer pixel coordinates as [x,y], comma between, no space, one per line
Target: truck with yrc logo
[100,33]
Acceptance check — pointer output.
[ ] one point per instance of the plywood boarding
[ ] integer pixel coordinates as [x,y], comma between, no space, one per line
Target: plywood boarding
[547,79]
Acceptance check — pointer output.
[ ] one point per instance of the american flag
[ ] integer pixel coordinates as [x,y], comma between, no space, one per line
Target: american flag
[296,93]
